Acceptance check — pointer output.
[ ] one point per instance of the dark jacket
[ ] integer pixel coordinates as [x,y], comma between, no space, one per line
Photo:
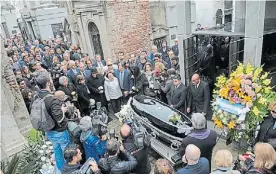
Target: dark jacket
[200,168]
[86,73]
[177,97]
[165,55]
[103,62]
[127,82]
[262,171]
[53,106]
[205,64]
[67,90]
[93,85]
[141,83]
[74,169]
[83,96]
[204,139]
[143,166]
[199,98]
[114,165]
[72,76]
[93,146]
[266,131]
[175,50]
[248,168]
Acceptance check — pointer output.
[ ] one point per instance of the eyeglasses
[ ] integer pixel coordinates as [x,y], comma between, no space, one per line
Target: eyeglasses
[109,65]
[274,112]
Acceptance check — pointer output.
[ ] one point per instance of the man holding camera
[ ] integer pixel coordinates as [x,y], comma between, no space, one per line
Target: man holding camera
[112,164]
[140,153]
[73,156]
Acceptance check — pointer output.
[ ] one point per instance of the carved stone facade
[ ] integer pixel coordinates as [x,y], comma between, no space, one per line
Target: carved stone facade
[15,121]
[122,26]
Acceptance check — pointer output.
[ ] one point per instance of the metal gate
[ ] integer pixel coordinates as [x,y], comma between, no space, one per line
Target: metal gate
[95,39]
[190,51]
[236,52]
[158,42]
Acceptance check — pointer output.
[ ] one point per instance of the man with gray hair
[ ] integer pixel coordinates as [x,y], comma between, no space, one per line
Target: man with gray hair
[203,138]
[195,163]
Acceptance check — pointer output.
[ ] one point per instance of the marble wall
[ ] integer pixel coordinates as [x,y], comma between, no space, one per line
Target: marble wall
[15,121]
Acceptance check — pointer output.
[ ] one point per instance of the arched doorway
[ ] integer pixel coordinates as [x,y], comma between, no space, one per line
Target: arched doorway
[95,39]
[219,17]
[67,31]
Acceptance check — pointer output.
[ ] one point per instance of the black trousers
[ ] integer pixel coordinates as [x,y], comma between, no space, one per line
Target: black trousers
[116,104]
[124,98]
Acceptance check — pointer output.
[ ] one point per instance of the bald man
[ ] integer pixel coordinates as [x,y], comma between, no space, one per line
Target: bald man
[141,155]
[198,96]
[195,164]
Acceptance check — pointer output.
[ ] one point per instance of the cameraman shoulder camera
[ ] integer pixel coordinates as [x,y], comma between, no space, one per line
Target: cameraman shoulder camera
[134,141]
[73,156]
[112,164]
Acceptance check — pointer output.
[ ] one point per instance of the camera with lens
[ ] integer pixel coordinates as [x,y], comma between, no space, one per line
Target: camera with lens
[74,96]
[56,72]
[85,168]
[137,132]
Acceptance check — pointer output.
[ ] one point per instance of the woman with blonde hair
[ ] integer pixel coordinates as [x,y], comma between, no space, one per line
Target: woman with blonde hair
[163,166]
[224,161]
[262,162]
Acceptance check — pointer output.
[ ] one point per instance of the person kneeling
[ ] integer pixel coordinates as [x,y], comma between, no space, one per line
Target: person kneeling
[112,163]
[72,155]
[93,146]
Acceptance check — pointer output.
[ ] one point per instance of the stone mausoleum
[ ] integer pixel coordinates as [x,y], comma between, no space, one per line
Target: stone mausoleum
[109,27]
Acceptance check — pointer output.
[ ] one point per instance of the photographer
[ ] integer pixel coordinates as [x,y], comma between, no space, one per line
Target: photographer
[112,164]
[72,155]
[262,162]
[93,144]
[140,153]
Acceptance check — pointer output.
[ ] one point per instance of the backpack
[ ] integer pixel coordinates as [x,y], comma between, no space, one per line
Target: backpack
[40,118]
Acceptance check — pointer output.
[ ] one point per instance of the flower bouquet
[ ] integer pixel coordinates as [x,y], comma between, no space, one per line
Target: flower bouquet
[241,101]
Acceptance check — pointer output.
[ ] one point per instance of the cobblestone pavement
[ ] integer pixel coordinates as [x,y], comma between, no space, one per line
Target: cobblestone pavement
[154,156]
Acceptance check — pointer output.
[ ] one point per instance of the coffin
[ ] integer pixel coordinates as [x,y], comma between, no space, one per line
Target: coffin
[158,113]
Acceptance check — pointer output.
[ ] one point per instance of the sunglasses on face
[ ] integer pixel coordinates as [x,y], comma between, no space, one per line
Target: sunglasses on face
[274,112]
[109,65]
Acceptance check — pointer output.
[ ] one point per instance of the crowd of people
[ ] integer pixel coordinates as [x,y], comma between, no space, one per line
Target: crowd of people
[59,73]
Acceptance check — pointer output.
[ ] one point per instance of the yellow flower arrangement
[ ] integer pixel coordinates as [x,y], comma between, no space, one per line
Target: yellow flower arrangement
[248,87]
[256,111]
[231,125]
[266,82]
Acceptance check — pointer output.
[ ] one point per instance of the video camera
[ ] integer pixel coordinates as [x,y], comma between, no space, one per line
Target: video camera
[99,120]
[56,72]
[85,168]
[138,132]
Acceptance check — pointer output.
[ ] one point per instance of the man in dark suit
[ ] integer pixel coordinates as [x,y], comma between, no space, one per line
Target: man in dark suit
[72,72]
[177,94]
[198,96]
[125,81]
[84,72]
[175,48]
[164,51]
[100,64]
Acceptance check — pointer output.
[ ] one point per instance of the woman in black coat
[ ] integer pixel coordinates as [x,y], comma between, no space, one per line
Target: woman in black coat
[267,131]
[83,95]
[140,81]
[95,84]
